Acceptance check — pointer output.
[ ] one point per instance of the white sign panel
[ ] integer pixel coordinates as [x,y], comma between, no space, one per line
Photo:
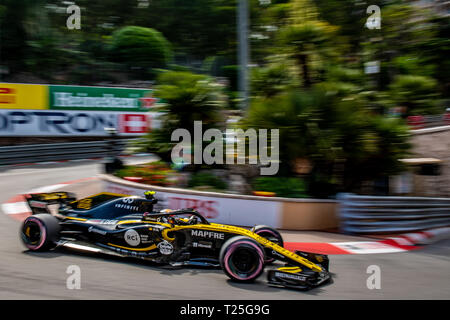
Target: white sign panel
[240,212]
[74,123]
[372,67]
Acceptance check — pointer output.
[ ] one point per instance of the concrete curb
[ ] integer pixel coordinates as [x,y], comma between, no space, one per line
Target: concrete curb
[435,235]
[399,243]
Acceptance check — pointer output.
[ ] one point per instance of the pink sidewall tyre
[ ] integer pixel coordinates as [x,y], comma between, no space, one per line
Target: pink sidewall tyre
[40,232]
[242,259]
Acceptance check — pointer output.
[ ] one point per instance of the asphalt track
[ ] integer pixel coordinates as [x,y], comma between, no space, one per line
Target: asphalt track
[420,274]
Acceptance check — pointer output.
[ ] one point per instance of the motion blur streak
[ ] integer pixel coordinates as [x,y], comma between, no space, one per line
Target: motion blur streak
[117,279]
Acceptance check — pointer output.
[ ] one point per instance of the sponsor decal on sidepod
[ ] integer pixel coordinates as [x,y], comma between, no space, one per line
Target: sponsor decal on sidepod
[132,237]
[208,234]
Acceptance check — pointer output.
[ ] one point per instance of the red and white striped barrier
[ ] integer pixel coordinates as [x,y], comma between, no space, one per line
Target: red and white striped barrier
[399,243]
[416,122]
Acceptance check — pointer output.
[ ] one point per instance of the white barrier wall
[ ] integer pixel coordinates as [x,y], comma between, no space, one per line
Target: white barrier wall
[234,209]
[242,212]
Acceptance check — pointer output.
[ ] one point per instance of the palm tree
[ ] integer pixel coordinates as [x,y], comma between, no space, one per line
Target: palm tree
[304,40]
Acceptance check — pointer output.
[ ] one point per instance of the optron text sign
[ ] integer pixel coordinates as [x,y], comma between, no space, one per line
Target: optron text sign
[71,123]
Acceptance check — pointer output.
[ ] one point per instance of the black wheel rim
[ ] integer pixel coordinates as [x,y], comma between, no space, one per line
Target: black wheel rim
[31,233]
[244,261]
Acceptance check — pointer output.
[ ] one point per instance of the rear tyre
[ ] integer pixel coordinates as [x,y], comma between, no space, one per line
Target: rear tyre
[242,259]
[270,234]
[40,232]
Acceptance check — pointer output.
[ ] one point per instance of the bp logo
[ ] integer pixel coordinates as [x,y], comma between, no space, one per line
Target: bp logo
[132,237]
[165,247]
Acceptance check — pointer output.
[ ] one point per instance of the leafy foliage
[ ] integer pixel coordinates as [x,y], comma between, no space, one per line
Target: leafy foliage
[203,179]
[325,107]
[307,40]
[155,173]
[308,78]
[141,47]
[344,141]
[283,187]
[417,93]
[188,97]
[271,79]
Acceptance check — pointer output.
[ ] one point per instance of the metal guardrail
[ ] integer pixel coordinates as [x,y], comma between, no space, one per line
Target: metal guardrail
[430,121]
[376,214]
[61,151]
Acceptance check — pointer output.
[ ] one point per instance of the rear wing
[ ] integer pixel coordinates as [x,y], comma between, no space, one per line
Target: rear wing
[38,202]
[94,200]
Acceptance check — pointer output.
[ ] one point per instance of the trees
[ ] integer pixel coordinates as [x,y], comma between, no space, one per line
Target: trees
[304,40]
[417,93]
[196,29]
[344,142]
[187,98]
[319,101]
[13,32]
[271,79]
[141,48]
[307,77]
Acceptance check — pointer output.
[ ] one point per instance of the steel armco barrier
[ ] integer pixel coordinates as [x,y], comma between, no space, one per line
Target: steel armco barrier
[60,151]
[429,121]
[375,214]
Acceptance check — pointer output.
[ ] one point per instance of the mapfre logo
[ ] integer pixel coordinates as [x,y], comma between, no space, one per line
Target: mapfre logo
[134,123]
[208,234]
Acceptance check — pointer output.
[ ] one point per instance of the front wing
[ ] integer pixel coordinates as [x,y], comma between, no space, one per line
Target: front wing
[297,278]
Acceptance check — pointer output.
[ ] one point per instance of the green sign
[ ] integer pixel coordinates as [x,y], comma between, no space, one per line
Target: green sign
[100,98]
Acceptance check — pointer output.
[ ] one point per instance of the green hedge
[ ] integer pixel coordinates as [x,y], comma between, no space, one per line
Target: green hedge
[283,187]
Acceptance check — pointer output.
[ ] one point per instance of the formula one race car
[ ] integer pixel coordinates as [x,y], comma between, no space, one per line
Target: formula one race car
[129,227]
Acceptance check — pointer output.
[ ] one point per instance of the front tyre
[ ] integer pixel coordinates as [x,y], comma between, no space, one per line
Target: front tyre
[242,259]
[40,232]
[270,234]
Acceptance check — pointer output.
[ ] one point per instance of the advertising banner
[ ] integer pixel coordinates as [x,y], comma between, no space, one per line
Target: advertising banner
[38,97]
[23,96]
[100,98]
[55,123]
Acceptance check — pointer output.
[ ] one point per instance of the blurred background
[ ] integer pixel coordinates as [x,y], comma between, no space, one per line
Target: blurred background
[351,85]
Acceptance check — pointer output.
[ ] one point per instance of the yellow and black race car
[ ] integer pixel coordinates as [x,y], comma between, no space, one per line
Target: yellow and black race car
[129,227]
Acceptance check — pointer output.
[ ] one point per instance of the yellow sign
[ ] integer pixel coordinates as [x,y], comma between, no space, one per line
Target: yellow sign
[23,96]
